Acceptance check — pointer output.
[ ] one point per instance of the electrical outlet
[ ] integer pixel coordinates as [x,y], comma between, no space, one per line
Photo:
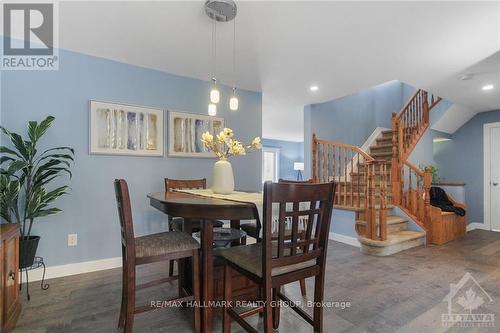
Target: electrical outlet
[72,239]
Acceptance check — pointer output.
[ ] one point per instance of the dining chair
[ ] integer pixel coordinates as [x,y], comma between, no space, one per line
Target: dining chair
[274,263]
[177,223]
[149,249]
[253,228]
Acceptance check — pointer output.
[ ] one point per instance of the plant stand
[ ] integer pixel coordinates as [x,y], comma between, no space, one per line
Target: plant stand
[37,263]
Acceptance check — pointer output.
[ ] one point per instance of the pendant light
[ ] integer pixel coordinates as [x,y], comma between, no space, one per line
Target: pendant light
[214,93]
[221,11]
[233,101]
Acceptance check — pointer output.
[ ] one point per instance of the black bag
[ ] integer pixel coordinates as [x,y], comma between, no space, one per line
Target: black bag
[440,199]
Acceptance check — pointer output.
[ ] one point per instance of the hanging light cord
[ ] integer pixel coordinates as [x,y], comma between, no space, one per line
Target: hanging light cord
[234,53]
[214,40]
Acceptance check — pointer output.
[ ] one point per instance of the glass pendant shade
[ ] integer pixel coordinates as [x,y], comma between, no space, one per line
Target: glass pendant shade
[212,109]
[233,103]
[214,95]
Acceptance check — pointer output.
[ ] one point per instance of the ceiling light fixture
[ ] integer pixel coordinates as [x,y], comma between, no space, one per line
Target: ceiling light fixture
[466,77]
[233,101]
[314,88]
[488,87]
[221,11]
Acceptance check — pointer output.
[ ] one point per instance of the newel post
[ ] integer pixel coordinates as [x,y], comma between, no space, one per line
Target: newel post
[370,214]
[313,160]
[395,173]
[425,106]
[427,198]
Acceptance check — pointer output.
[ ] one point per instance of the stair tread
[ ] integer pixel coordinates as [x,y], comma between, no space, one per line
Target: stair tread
[391,219]
[388,206]
[394,238]
[382,153]
[380,146]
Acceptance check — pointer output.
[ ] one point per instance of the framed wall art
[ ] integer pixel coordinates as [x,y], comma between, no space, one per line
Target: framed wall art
[185,130]
[123,129]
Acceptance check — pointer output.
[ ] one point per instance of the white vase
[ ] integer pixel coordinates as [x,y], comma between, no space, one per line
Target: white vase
[222,177]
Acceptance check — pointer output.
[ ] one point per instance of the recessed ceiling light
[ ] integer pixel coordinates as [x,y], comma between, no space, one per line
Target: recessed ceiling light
[488,87]
[466,77]
[313,88]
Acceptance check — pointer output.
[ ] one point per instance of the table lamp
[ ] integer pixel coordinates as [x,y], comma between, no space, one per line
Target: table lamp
[299,167]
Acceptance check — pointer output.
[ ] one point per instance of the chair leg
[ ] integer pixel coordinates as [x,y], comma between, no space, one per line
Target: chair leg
[228,289]
[303,289]
[123,307]
[181,274]
[268,315]
[130,304]
[171,268]
[196,292]
[276,309]
[318,299]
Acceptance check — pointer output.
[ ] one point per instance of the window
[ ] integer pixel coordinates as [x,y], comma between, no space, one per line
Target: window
[270,164]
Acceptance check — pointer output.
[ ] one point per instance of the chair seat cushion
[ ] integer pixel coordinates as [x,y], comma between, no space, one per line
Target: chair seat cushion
[250,229]
[249,257]
[164,243]
[177,223]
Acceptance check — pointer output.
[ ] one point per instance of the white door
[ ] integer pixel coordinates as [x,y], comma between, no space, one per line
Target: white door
[495,178]
[270,164]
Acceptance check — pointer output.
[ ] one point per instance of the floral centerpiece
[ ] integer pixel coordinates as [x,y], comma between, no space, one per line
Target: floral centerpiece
[224,145]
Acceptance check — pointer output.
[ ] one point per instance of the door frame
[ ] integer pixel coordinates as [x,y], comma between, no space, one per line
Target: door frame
[276,152]
[487,172]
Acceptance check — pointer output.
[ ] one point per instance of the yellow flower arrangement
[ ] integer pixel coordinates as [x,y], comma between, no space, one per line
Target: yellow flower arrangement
[224,145]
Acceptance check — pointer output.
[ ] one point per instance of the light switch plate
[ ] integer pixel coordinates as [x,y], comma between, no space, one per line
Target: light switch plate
[72,239]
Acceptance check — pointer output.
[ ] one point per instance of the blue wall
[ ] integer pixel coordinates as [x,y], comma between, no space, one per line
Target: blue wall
[461,160]
[352,119]
[90,209]
[289,152]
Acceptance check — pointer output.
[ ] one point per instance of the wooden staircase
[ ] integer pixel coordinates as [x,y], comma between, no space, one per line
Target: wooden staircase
[399,237]
[373,183]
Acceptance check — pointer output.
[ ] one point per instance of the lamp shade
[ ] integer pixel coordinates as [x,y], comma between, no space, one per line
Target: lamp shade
[298,166]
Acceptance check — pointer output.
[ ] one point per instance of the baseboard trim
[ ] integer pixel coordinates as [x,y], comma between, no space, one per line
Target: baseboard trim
[344,239]
[76,268]
[477,225]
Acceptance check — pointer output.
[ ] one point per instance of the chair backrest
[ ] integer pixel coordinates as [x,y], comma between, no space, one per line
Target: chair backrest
[125,215]
[309,205]
[187,184]
[288,181]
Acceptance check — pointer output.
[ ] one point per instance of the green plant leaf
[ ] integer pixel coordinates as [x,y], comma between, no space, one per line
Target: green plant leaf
[36,131]
[5,159]
[5,150]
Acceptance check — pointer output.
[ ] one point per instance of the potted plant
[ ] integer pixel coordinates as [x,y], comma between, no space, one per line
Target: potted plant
[26,172]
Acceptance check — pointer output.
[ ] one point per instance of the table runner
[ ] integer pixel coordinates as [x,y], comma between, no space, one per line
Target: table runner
[256,198]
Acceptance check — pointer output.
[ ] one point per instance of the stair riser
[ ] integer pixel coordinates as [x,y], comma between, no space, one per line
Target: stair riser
[392,249]
[381,149]
[390,228]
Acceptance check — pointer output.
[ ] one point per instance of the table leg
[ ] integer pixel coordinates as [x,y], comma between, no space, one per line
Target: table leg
[235,224]
[207,274]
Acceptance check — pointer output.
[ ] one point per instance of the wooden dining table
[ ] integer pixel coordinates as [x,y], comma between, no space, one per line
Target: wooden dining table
[207,210]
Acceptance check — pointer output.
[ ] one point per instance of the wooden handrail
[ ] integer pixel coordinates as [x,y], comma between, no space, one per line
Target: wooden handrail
[412,97]
[415,168]
[361,181]
[348,146]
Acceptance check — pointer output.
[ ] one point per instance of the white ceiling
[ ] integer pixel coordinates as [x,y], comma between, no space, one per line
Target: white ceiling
[284,47]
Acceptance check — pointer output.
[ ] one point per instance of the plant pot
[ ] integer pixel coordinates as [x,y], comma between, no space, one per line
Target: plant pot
[222,177]
[27,250]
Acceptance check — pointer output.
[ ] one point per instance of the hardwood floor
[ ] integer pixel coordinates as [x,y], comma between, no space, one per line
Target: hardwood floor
[400,293]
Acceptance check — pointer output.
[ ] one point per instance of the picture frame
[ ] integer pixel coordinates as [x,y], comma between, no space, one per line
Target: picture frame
[185,130]
[125,129]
